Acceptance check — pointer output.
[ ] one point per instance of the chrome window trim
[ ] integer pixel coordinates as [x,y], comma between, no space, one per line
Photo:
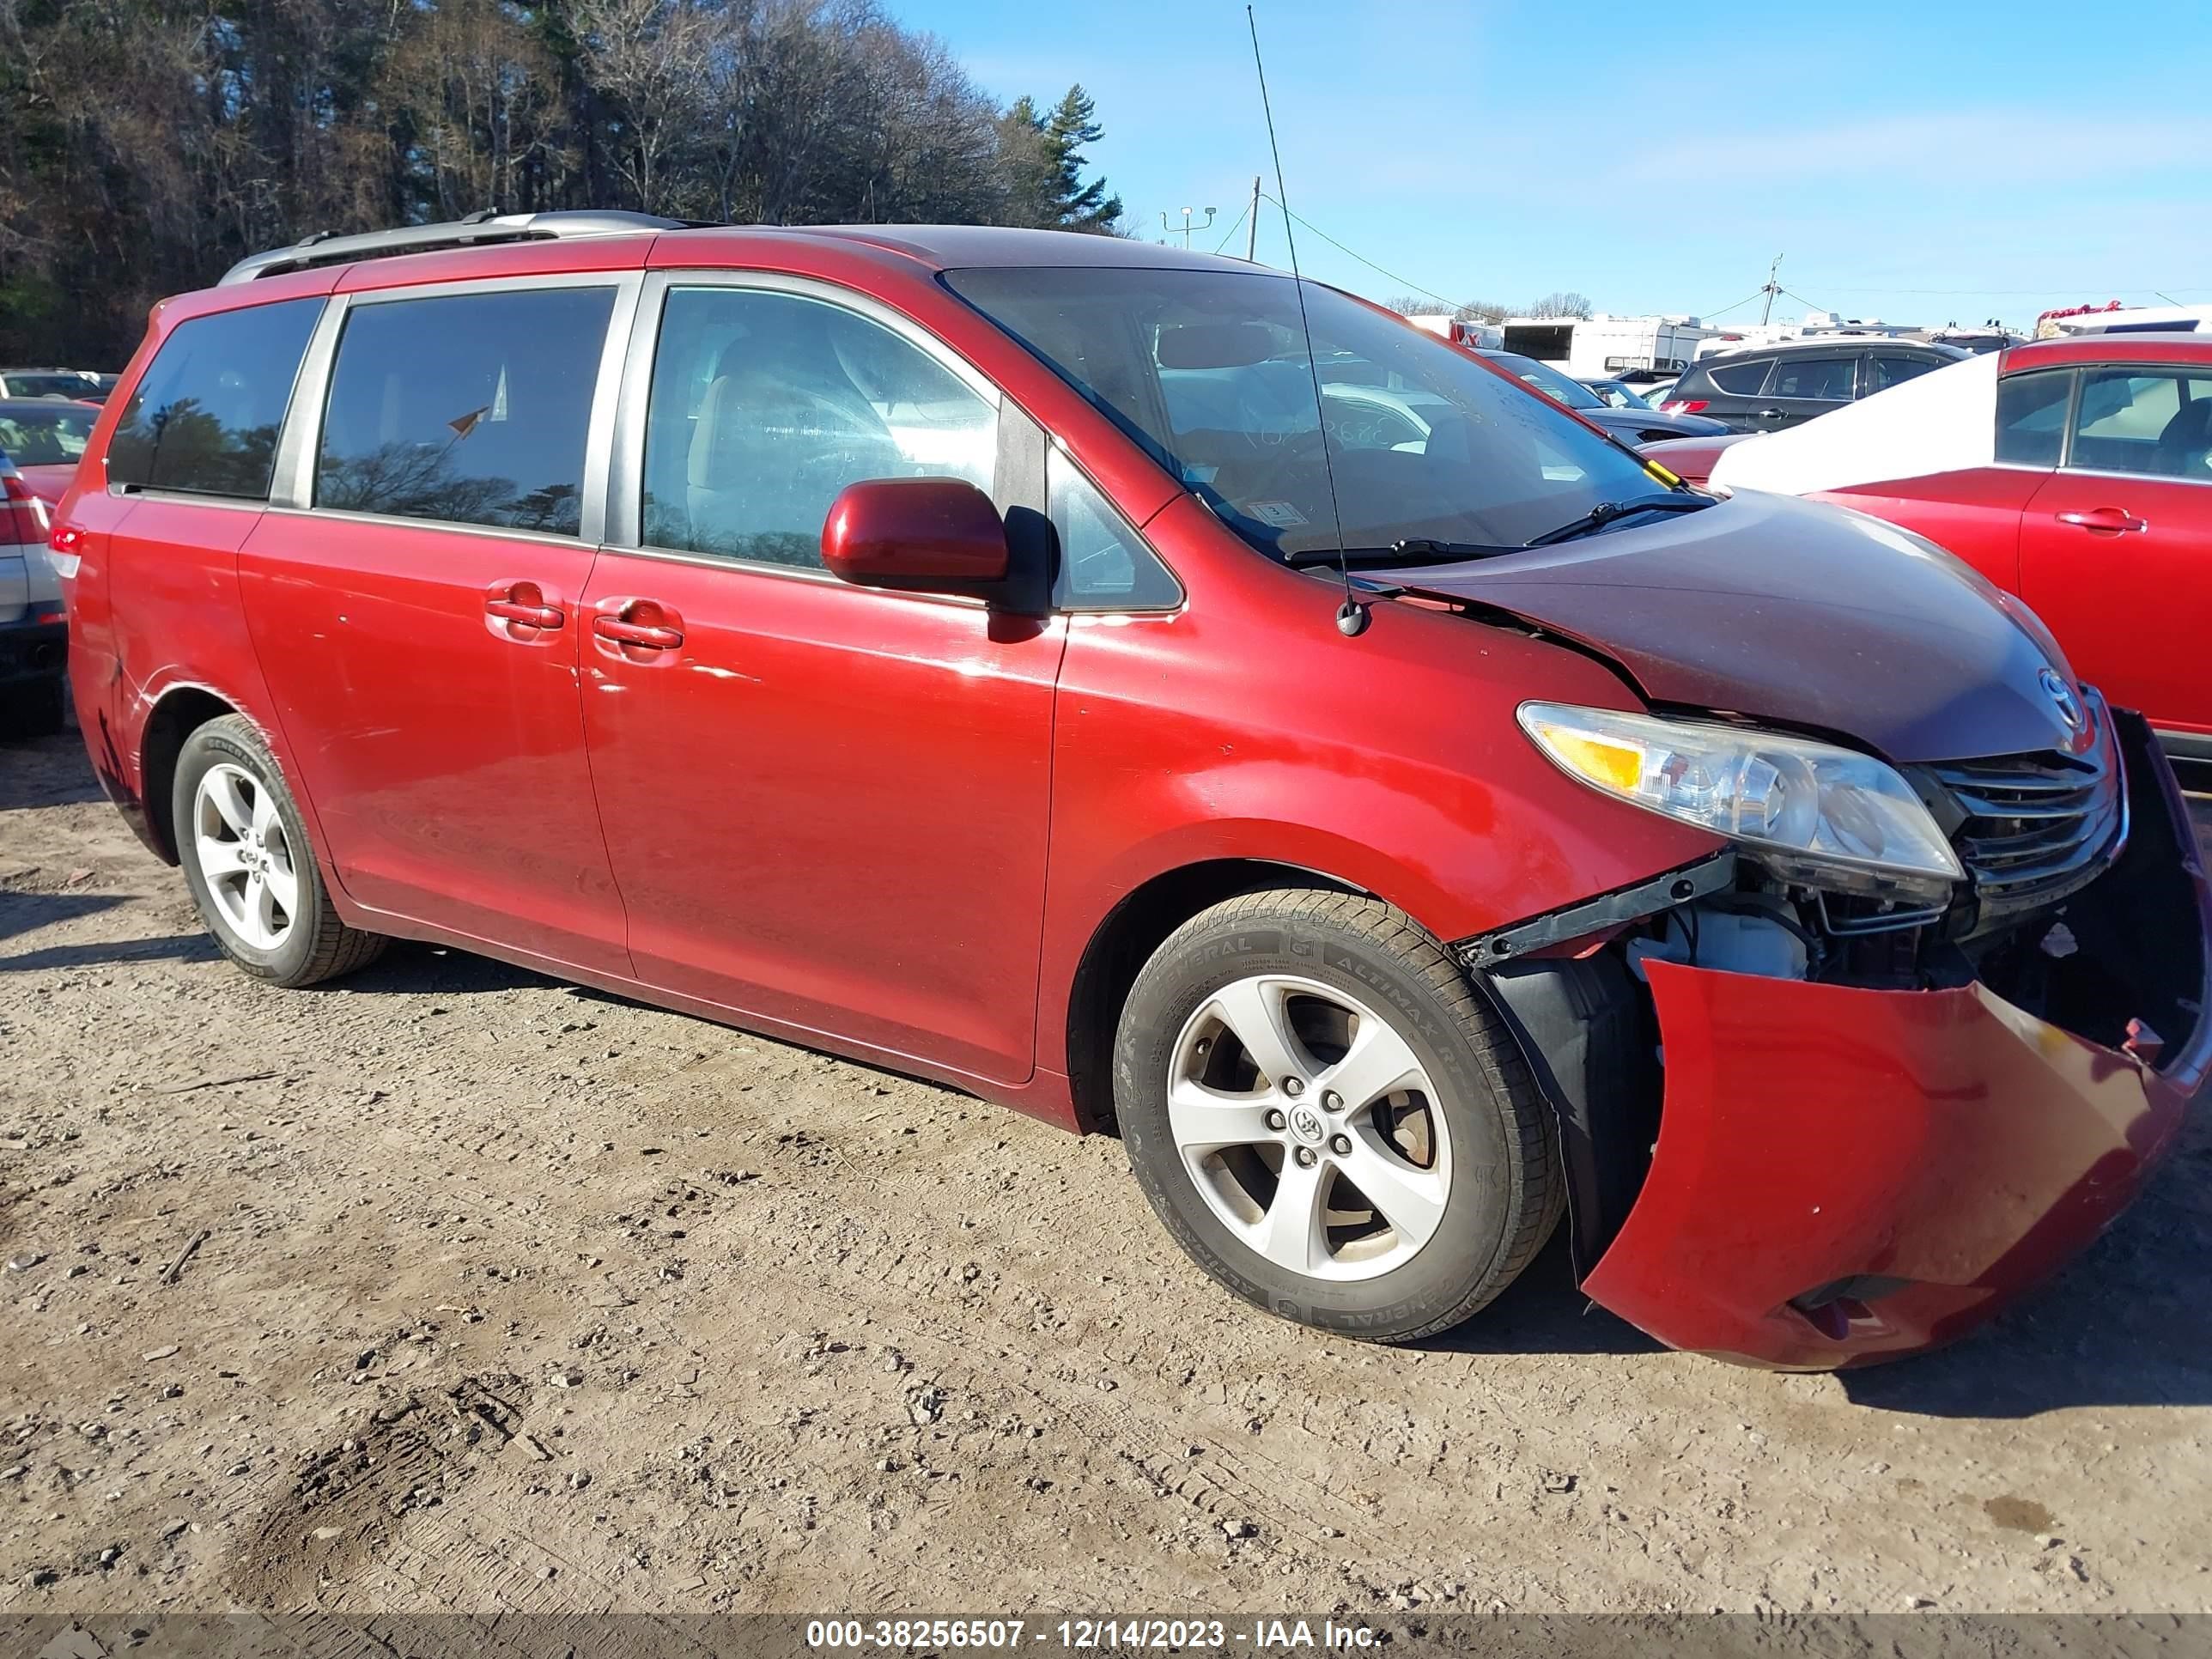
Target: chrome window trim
[2135,478]
[188,497]
[791,573]
[624,499]
[348,515]
[300,447]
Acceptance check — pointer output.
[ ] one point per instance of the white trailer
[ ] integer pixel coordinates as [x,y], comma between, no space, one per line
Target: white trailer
[1593,348]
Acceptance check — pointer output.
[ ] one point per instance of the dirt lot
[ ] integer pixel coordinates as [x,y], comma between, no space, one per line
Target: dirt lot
[511,1296]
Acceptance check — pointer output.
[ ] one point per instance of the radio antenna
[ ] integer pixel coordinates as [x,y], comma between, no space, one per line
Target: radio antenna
[1350,616]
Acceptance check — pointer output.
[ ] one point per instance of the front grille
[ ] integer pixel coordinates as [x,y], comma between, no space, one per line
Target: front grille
[2036,827]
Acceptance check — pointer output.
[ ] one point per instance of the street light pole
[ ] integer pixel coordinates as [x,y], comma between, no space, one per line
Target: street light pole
[1187,228]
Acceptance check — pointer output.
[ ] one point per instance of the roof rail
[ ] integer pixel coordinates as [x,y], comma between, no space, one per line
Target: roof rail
[476,231]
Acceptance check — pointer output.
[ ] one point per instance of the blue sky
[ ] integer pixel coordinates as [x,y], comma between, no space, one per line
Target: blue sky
[1948,160]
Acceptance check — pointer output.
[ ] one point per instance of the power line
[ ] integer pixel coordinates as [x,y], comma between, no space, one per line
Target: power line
[1403,282]
[1724,310]
[1231,231]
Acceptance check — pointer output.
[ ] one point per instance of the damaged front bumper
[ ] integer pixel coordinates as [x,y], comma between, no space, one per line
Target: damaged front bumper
[1843,1175]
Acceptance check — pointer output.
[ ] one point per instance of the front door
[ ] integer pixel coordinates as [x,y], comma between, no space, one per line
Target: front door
[826,806]
[2116,548]
[419,625]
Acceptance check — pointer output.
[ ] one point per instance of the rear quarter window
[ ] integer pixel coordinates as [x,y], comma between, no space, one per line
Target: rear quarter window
[205,415]
[1741,379]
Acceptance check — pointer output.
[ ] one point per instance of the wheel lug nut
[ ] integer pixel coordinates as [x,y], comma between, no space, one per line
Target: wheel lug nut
[1331,1101]
[1274,1119]
[1340,1145]
[1293,1087]
[1305,1155]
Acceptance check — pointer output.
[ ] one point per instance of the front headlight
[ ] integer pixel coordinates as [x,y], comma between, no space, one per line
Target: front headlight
[1816,805]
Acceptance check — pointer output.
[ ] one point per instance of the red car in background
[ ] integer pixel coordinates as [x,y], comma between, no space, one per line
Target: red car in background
[2080,478]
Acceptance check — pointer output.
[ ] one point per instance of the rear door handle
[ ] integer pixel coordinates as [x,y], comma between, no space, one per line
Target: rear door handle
[2111,520]
[520,611]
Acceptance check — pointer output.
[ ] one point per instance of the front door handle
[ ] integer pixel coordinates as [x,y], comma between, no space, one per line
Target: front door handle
[638,625]
[2112,520]
[1769,414]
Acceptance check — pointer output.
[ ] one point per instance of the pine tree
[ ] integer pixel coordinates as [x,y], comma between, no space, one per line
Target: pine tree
[1077,206]
[1042,157]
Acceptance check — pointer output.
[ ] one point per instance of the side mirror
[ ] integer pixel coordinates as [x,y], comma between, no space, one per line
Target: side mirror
[932,535]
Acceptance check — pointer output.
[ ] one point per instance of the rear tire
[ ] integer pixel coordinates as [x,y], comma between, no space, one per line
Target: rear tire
[1395,1074]
[249,867]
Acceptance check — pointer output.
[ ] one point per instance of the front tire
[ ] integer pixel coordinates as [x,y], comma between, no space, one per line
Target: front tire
[1329,1118]
[249,867]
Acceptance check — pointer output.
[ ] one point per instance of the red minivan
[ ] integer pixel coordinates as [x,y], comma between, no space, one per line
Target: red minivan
[1135,688]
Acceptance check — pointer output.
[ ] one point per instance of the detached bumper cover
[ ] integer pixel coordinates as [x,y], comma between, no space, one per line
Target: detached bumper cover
[1845,1175]
[1942,1148]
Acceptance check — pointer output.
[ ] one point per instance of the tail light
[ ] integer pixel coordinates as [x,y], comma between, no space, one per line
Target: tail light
[1683,406]
[25,516]
[64,550]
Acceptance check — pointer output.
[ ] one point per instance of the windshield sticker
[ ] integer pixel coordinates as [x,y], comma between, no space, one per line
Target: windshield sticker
[1280,514]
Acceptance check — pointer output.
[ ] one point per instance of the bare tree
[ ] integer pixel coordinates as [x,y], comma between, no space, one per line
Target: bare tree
[1565,303]
[648,57]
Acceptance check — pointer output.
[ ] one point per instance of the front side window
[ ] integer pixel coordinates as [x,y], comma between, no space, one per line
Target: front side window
[468,408]
[1103,564]
[206,413]
[766,406]
[2032,418]
[1209,371]
[1812,377]
[2154,421]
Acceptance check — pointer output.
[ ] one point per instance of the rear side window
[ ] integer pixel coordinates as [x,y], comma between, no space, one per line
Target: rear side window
[468,408]
[1887,369]
[1812,377]
[206,413]
[1741,379]
[2032,418]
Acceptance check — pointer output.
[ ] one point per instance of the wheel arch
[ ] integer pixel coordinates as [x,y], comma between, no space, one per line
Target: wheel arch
[181,710]
[1124,940]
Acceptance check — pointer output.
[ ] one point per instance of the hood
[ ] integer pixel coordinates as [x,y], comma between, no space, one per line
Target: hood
[1789,612]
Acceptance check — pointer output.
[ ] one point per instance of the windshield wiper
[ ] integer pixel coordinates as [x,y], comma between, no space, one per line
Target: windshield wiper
[1605,512]
[1414,550]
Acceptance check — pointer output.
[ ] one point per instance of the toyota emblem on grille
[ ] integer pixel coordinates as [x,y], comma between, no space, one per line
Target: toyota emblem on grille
[2068,705]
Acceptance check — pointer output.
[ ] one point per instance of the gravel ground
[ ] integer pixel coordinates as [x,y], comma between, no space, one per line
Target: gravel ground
[498,1294]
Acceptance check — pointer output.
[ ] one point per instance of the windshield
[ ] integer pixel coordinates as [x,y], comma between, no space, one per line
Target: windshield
[1208,370]
[44,437]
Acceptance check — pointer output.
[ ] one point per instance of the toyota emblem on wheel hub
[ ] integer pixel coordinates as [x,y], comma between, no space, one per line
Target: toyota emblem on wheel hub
[1306,1125]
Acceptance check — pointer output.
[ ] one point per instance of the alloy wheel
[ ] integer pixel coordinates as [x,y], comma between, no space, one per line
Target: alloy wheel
[238,840]
[1309,1126]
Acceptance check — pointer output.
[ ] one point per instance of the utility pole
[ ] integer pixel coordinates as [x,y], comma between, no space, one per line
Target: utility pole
[1186,227]
[1252,225]
[1771,288]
